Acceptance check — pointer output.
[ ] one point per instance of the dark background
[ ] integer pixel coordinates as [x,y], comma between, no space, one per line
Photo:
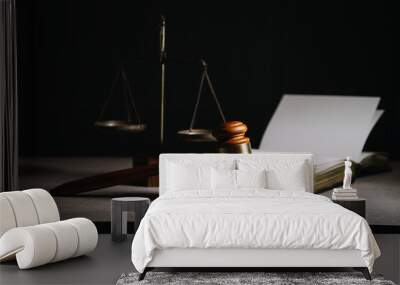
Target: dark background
[69,52]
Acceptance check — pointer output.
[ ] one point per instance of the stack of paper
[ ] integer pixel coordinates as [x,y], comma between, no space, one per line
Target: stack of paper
[344,194]
[330,127]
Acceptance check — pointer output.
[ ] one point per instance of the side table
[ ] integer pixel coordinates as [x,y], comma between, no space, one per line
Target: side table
[356,205]
[119,215]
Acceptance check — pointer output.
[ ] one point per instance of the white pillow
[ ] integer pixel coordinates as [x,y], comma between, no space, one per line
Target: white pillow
[188,177]
[223,179]
[281,174]
[292,179]
[251,178]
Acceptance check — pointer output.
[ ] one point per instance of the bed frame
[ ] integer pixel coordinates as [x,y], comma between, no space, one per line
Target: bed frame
[242,259]
[246,258]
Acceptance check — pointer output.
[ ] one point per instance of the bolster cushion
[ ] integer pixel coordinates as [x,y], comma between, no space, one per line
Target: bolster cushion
[26,208]
[40,244]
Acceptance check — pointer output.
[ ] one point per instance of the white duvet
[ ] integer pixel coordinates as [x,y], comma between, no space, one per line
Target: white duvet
[250,219]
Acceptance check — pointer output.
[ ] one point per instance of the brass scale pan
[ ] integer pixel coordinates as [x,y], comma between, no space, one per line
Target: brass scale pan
[117,125]
[201,135]
[197,135]
[121,125]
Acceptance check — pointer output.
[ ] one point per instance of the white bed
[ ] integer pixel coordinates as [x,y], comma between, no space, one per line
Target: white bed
[248,227]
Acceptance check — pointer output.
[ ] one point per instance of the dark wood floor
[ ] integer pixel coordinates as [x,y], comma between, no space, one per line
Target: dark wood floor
[103,266]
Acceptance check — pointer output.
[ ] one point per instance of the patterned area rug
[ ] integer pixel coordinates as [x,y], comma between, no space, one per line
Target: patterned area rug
[232,278]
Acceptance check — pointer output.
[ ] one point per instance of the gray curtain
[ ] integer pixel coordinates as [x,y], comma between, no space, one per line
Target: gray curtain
[8,97]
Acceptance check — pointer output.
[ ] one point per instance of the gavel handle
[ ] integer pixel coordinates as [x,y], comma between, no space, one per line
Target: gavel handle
[119,177]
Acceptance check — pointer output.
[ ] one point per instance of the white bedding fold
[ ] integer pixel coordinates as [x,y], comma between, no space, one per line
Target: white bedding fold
[250,219]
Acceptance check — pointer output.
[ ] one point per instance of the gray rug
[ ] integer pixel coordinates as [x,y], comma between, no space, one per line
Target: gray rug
[232,278]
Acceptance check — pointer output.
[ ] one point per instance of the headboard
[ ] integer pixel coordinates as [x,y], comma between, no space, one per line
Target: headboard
[214,158]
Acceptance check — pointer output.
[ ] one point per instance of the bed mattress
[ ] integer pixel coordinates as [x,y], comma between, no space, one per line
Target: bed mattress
[250,219]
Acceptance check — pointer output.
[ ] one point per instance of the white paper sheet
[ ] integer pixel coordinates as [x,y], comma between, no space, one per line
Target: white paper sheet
[327,126]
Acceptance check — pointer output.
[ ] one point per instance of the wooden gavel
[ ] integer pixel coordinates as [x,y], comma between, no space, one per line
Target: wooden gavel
[231,137]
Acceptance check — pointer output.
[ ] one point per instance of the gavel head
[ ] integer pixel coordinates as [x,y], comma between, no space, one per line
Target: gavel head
[231,137]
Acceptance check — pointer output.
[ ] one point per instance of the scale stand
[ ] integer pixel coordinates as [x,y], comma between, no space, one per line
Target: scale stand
[163,59]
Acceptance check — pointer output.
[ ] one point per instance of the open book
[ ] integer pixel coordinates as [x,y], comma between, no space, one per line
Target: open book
[330,174]
[330,127]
